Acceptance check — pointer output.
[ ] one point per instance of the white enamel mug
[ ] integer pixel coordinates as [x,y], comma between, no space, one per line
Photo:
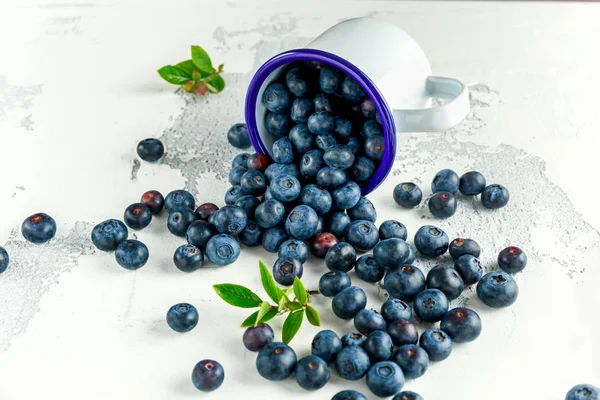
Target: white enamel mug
[392,69]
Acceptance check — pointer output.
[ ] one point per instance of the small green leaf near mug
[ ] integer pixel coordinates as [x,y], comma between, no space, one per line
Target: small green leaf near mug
[188,66]
[202,60]
[174,75]
[216,81]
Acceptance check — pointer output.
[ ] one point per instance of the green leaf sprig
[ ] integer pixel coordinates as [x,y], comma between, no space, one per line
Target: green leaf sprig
[295,309]
[195,75]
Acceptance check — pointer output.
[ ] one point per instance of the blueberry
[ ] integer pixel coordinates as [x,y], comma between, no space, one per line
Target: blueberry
[337,223]
[301,138]
[407,395]
[367,321]
[354,144]
[431,305]
[302,108]
[222,249]
[368,269]
[333,282]
[497,289]
[325,141]
[371,128]
[235,175]
[257,337]
[38,228]
[395,309]
[276,97]
[378,346]
[322,103]
[312,373]
[154,200]
[471,183]
[436,343]
[208,375]
[385,378]
[282,151]
[276,361]
[251,235]
[390,253]
[374,147]
[258,161]
[317,198]
[512,260]
[347,195]
[331,177]
[339,156]
[363,235]
[352,91]
[442,204]
[362,169]
[364,209]
[392,229]
[445,180]
[431,241]
[367,107]
[182,317]
[343,128]
[341,257]
[253,183]
[321,244]
[460,247]
[107,235]
[326,345]
[179,198]
[131,254]
[348,395]
[301,222]
[274,170]
[286,269]
[233,194]
[237,136]
[407,195]
[413,360]
[494,196]
[329,79]
[188,258]
[447,280]
[231,220]
[583,392]
[311,163]
[277,123]
[347,303]
[272,238]
[295,249]
[137,216]
[404,282]
[269,214]
[463,325]
[249,204]
[469,268]
[403,332]
[150,149]
[320,123]
[241,160]
[285,188]
[4,259]
[296,82]
[352,363]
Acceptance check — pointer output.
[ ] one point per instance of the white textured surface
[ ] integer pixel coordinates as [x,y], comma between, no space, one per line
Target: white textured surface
[78,89]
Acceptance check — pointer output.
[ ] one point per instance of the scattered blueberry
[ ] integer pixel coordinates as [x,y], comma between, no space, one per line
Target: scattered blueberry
[583,392]
[276,97]
[407,195]
[38,228]
[277,123]
[131,254]
[233,194]
[403,332]
[347,195]
[442,204]
[436,343]
[371,128]
[364,209]
[302,222]
[445,180]
[352,363]
[208,375]
[326,345]
[352,91]
[295,249]
[337,223]
[179,198]
[257,337]
[251,235]
[512,260]
[301,138]
[312,373]
[296,82]
[107,235]
[362,235]
[285,188]
[249,204]
[272,239]
[182,317]
[390,253]
[362,169]
[469,268]
[374,147]
[241,160]
[367,321]
[404,282]
[329,79]
[348,395]
[472,183]
[150,149]
[276,361]
[431,305]
[431,241]
[204,211]
[317,198]
[269,213]
[407,395]
[222,249]
[4,259]
[395,309]
[253,183]
[494,196]
[341,257]
[188,258]
[339,156]
[154,200]
[180,220]
[347,303]
[368,269]
[385,378]
[321,244]
[353,339]
[311,163]
[320,123]
[275,170]
[282,151]
[447,280]
[324,142]
[497,289]
[331,177]
[333,282]
[413,360]
[238,136]
[137,216]
[378,346]
[392,229]
[460,247]
[286,269]
[462,324]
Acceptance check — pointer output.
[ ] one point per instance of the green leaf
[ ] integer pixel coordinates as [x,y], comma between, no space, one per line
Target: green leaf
[300,291]
[294,305]
[292,325]
[313,316]
[174,75]
[269,283]
[264,308]
[282,304]
[188,66]
[216,81]
[252,318]
[237,295]
[201,59]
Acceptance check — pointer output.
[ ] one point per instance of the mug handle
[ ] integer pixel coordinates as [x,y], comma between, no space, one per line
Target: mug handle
[439,118]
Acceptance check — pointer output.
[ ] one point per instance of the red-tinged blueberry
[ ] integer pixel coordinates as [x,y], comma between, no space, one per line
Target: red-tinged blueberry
[583,392]
[257,337]
[407,195]
[237,136]
[182,317]
[204,211]
[333,282]
[208,375]
[4,259]
[412,359]
[512,260]
[459,247]
[179,198]
[472,183]
[469,268]
[431,305]
[326,345]
[188,258]
[286,269]
[442,204]
[150,149]
[404,282]
[38,228]
[348,395]
[276,361]
[407,395]
[179,221]
[462,324]
[257,161]
[403,332]
[497,289]
[352,363]
[137,216]
[312,373]
[154,200]
[107,235]
[385,378]
[367,321]
[321,244]
[445,180]
[395,309]
[494,196]
[436,343]
[347,303]
[131,254]
[446,279]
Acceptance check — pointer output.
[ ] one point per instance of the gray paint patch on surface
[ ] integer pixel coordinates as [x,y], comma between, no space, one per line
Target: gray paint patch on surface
[17,98]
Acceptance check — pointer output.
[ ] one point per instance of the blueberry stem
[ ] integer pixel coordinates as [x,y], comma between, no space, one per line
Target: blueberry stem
[313,291]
